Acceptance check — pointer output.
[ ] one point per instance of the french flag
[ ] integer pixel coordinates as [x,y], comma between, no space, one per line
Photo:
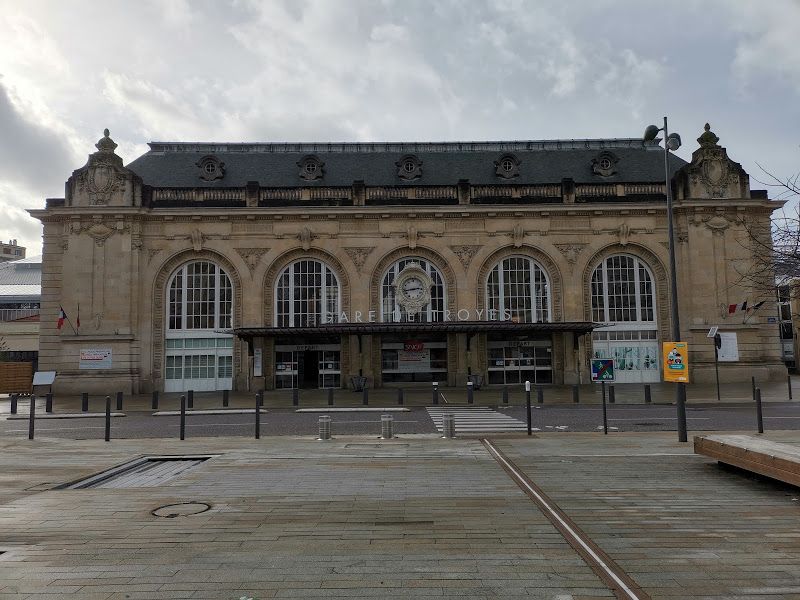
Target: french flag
[61,317]
[732,308]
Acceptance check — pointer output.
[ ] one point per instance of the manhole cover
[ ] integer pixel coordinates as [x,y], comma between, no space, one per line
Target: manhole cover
[184,509]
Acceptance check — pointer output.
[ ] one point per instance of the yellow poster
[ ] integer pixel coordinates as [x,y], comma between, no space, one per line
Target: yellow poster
[676,361]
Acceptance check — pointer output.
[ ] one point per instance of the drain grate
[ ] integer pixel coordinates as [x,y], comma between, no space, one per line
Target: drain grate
[148,471]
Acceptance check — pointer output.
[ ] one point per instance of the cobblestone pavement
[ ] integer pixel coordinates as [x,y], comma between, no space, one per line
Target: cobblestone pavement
[414,517]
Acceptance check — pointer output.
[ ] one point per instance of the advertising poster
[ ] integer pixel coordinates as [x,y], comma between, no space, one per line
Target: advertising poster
[96,358]
[413,358]
[257,355]
[676,362]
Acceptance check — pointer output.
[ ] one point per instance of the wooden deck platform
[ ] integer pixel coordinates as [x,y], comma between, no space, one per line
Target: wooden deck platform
[772,459]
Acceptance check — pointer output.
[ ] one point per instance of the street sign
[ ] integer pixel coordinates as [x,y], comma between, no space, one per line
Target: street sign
[602,369]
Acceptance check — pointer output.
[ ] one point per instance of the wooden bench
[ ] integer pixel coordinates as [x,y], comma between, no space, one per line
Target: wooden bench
[779,461]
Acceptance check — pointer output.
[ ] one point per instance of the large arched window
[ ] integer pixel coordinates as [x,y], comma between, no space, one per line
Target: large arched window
[623,296]
[622,291]
[394,309]
[518,290]
[199,303]
[306,294]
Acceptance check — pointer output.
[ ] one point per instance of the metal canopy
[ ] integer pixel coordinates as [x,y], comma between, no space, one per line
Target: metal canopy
[579,327]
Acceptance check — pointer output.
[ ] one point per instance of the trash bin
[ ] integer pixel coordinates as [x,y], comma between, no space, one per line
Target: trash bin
[358,383]
[476,380]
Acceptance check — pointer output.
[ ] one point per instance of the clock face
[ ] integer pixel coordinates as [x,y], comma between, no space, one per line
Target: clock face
[412,288]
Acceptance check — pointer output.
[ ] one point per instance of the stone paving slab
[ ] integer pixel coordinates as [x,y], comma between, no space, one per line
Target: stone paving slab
[421,517]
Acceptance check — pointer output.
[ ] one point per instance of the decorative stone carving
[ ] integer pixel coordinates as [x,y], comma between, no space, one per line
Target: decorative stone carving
[570,251]
[518,235]
[465,254]
[252,256]
[412,236]
[211,168]
[409,167]
[711,174]
[151,253]
[197,240]
[624,233]
[99,232]
[305,236]
[717,224]
[98,320]
[103,175]
[359,254]
[311,167]
[507,166]
[605,164]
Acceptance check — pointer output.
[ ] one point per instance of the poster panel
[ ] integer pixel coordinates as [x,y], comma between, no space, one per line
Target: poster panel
[676,362]
[729,348]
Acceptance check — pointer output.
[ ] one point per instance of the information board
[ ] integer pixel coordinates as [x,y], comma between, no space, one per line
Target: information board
[676,362]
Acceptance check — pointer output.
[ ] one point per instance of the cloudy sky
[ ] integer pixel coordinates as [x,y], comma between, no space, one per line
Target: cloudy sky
[382,70]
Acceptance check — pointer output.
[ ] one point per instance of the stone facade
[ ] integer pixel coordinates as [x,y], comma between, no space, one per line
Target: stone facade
[115,241]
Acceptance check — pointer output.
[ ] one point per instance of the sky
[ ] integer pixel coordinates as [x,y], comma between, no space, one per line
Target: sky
[385,70]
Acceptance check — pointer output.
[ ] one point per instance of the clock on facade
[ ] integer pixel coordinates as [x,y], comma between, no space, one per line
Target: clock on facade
[413,288]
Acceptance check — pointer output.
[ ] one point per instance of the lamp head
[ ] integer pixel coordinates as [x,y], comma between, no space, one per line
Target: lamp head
[673,141]
[650,133]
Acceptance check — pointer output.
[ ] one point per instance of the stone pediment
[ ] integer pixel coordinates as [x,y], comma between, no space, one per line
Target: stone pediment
[104,181]
[711,174]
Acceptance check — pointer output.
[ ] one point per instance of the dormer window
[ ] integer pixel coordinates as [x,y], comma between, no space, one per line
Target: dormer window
[507,166]
[311,168]
[409,167]
[605,164]
[211,168]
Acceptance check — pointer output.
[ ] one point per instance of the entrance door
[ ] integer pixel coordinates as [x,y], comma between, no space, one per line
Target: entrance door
[308,369]
[298,367]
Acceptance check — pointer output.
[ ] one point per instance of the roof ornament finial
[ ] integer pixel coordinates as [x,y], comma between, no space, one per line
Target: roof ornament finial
[106,145]
[708,139]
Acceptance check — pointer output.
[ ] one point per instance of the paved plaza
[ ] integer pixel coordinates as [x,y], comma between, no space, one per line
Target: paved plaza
[416,516]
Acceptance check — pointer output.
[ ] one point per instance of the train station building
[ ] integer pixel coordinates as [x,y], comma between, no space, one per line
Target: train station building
[246,266]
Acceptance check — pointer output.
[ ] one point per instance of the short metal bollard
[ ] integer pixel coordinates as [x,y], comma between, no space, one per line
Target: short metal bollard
[400,398]
[448,426]
[259,402]
[119,400]
[84,402]
[183,417]
[324,427]
[435,398]
[528,407]
[108,419]
[295,397]
[365,396]
[470,393]
[32,417]
[190,399]
[225,398]
[505,395]
[759,414]
[330,396]
[387,427]
[789,382]
[48,403]
[14,398]
[539,394]
[612,398]
[647,397]
[261,397]
[154,403]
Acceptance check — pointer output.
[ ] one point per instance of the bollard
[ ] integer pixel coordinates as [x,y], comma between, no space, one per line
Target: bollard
[261,398]
[225,398]
[759,415]
[605,416]
[259,401]
[505,395]
[324,427]
[119,400]
[539,394]
[400,398]
[154,403]
[330,396]
[31,417]
[387,425]
[108,419]
[528,406]
[448,426]
[435,392]
[48,404]
[84,402]
[14,403]
[365,396]
[183,417]
[576,394]
[470,397]
[612,396]
[295,397]
[789,381]
[753,378]
[647,397]
[190,399]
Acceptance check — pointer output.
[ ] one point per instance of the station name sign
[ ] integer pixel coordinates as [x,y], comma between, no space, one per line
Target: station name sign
[463,314]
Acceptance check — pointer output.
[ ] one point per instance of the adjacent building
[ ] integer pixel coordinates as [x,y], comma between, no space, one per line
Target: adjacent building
[11,251]
[279,265]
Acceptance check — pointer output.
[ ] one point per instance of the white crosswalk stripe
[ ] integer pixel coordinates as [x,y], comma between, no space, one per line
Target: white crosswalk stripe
[476,420]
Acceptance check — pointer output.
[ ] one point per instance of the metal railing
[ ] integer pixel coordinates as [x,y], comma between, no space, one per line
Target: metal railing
[14,314]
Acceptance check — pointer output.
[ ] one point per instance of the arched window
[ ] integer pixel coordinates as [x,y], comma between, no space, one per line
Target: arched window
[306,294]
[623,296]
[622,291]
[518,290]
[199,303]
[393,307]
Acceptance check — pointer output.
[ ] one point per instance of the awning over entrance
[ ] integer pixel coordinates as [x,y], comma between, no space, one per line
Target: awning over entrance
[577,327]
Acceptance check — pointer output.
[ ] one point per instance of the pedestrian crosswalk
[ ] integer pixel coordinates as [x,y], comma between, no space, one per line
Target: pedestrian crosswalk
[476,420]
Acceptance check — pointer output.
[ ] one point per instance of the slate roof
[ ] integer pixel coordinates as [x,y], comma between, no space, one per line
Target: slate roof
[173,164]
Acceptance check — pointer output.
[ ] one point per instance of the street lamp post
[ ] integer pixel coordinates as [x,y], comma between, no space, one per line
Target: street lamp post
[672,142]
